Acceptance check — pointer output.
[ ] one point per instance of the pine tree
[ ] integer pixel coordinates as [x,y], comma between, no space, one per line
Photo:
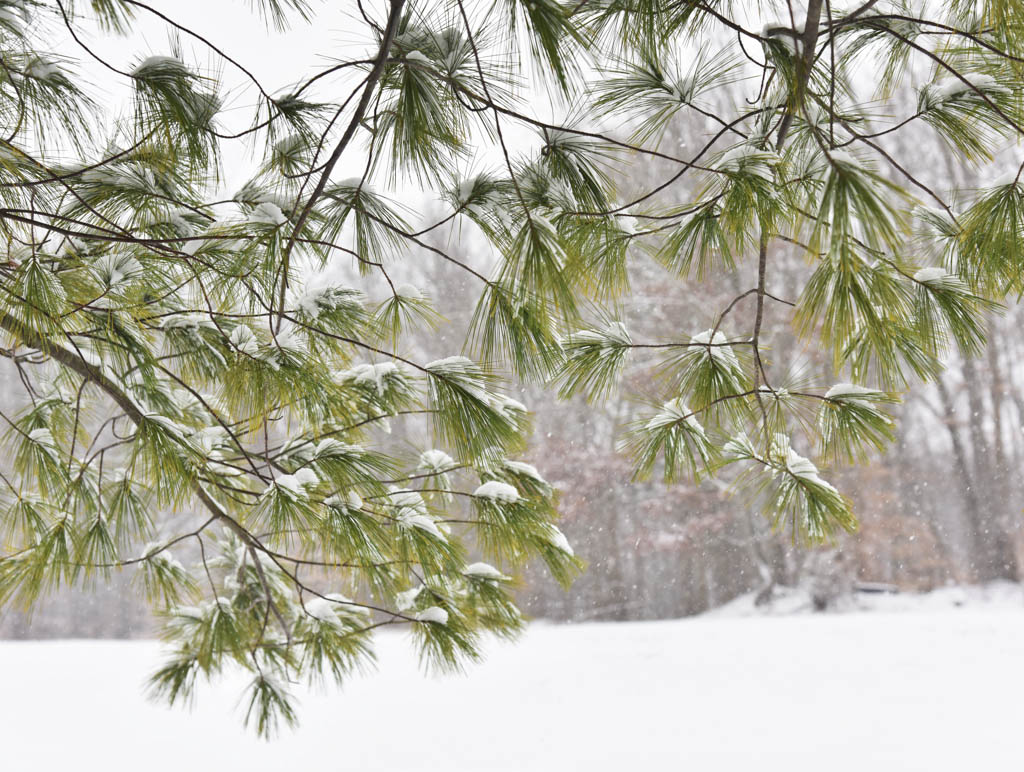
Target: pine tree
[199,380]
[898,274]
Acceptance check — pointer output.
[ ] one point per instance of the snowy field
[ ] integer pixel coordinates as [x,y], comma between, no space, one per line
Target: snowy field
[935,683]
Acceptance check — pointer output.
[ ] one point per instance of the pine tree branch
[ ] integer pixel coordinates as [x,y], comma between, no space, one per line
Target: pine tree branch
[394,17]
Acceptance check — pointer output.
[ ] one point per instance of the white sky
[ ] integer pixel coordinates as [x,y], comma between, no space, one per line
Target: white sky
[277,59]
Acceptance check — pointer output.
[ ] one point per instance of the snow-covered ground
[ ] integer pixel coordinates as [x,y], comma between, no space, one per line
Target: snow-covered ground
[788,601]
[931,683]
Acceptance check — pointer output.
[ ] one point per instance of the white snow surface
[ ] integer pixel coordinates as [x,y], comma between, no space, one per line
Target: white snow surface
[524,469]
[717,348]
[457,364]
[42,437]
[498,491]
[916,684]
[628,225]
[244,339]
[268,213]
[297,483]
[844,157]
[320,295]
[368,373]
[933,273]
[804,468]
[409,292]
[750,159]
[165,63]
[435,460]
[434,614]
[847,390]
[672,412]
[424,523]
[406,599]
[954,87]
[322,610]
[557,538]
[484,571]
[43,70]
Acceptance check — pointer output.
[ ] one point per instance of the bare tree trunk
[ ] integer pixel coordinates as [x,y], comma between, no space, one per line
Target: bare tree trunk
[991,554]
